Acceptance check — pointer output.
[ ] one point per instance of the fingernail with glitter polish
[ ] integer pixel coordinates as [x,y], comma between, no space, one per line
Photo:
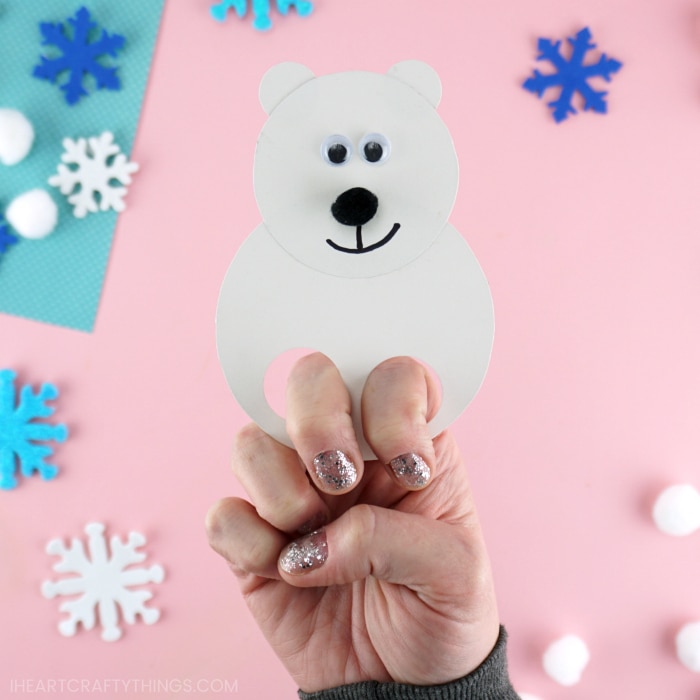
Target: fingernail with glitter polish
[334,470]
[305,554]
[410,470]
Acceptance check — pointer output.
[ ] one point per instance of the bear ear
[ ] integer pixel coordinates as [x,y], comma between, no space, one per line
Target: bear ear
[280,81]
[421,77]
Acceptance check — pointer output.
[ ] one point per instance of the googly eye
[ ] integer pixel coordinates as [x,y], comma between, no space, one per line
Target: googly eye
[375,148]
[336,149]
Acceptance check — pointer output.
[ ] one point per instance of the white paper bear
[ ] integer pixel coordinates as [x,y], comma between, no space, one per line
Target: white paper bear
[355,176]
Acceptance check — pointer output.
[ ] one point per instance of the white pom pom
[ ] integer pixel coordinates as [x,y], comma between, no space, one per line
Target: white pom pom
[565,659]
[688,646]
[677,510]
[16,136]
[527,696]
[33,214]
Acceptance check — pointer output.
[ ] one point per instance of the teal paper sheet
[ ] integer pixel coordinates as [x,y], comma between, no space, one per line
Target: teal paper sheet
[58,279]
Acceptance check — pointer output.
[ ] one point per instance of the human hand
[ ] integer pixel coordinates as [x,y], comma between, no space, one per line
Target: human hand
[396,586]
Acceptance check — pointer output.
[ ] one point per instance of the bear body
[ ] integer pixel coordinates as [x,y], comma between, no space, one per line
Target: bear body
[355,175]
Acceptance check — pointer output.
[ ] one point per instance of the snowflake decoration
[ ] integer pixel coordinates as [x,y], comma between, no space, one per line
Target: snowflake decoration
[19,432]
[103,582]
[261,10]
[78,55]
[6,238]
[572,75]
[97,163]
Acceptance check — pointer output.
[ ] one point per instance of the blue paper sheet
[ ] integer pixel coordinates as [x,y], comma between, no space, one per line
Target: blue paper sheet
[59,279]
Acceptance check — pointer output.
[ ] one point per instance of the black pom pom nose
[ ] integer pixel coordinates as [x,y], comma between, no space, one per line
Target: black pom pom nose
[355,207]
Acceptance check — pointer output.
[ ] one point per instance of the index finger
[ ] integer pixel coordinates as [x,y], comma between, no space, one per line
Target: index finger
[319,423]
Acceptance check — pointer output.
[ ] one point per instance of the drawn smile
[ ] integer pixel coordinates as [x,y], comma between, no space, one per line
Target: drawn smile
[360,247]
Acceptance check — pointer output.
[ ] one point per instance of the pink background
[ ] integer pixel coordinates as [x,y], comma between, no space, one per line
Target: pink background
[589,233]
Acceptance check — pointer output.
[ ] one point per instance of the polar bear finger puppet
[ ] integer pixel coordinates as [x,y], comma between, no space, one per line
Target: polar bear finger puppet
[355,176]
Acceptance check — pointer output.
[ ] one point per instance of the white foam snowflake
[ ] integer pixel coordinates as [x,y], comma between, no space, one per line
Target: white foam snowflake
[94,164]
[103,582]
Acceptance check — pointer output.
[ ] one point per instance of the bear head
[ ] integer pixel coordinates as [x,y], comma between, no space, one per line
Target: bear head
[355,173]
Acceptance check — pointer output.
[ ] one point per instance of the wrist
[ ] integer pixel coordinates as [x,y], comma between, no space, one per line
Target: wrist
[489,681]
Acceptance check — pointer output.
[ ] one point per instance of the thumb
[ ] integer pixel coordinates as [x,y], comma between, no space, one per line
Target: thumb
[434,557]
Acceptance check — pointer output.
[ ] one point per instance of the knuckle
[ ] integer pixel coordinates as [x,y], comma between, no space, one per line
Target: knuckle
[285,511]
[213,521]
[246,559]
[220,524]
[364,531]
[238,571]
[247,444]
[361,525]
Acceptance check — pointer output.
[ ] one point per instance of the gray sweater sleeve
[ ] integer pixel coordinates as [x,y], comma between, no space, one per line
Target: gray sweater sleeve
[488,682]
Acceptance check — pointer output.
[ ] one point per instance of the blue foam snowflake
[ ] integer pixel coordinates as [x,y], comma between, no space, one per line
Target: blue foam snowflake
[6,238]
[19,433]
[79,55]
[572,75]
[261,10]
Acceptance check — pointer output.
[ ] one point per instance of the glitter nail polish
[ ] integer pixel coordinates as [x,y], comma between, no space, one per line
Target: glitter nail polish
[305,554]
[411,470]
[335,470]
